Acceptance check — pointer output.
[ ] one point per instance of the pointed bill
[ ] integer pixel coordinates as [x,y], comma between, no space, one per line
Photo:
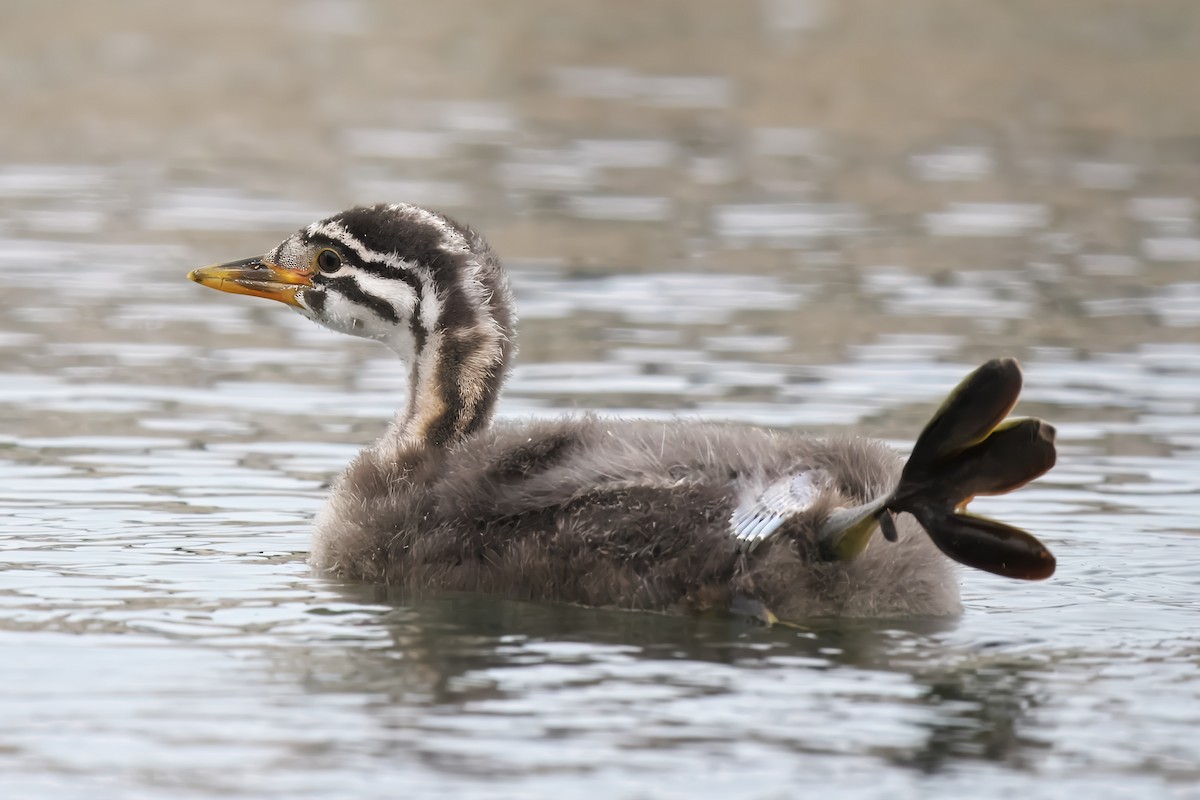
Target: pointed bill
[256,277]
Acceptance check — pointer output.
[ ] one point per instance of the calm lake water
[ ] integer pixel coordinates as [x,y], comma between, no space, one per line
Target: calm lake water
[801,213]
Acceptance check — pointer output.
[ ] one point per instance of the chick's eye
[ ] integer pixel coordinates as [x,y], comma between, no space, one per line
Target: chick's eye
[328,260]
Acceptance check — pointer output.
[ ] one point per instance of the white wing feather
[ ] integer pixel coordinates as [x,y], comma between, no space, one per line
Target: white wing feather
[759,517]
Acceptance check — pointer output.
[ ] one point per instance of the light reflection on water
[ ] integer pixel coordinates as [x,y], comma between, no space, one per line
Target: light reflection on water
[697,242]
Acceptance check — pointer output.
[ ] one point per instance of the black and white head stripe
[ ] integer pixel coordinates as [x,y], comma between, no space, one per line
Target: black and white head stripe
[430,288]
[425,251]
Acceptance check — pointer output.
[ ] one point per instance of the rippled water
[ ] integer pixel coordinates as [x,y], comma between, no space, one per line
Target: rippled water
[797,213]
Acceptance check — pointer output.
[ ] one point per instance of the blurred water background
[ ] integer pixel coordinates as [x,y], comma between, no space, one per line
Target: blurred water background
[810,214]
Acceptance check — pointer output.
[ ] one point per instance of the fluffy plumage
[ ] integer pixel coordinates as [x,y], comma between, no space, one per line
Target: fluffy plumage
[627,513]
[624,513]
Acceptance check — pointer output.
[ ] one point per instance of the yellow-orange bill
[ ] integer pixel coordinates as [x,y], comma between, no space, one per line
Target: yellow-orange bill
[256,277]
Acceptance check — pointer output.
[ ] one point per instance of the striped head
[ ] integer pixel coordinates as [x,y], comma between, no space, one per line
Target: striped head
[395,273]
[429,288]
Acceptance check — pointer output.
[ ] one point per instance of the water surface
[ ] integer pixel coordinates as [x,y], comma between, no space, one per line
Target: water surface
[797,213]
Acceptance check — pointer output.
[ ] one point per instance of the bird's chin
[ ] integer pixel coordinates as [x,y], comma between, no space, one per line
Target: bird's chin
[343,320]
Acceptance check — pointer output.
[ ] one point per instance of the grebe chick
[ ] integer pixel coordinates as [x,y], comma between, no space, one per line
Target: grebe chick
[681,515]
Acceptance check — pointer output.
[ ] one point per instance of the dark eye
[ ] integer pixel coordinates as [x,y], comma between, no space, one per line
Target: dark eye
[328,260]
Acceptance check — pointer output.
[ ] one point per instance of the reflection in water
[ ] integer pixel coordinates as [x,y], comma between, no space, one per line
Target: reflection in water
[984,714]
[460,668]
[792,212]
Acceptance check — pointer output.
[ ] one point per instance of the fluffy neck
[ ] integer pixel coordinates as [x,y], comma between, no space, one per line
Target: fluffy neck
[454,382]
[458,365]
